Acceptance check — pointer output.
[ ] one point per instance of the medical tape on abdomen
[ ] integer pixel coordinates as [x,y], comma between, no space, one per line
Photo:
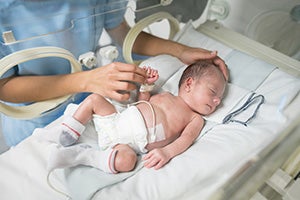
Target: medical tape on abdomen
[153,134]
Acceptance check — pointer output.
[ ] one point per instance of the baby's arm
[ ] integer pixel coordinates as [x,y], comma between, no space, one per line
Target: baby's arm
[157,158]
[145,89]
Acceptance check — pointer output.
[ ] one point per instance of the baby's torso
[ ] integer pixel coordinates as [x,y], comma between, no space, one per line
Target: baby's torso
[171,116]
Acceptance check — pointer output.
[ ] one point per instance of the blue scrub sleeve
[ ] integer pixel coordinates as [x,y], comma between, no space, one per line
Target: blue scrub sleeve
[82,37]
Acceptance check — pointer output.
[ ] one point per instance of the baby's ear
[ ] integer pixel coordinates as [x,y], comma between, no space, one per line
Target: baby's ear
[189,81]
[188,84]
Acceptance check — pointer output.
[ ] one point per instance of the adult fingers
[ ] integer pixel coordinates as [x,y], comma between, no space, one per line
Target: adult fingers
[223,67]
[127,76]
[126,72]
[116,95]
[123,67]
[191,55]
[120,90]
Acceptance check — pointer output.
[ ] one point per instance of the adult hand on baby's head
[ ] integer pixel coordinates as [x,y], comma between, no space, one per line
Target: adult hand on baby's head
[190,55]
[223,67]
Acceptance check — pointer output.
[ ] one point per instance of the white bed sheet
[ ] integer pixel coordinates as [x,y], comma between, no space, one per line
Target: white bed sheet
[218,152]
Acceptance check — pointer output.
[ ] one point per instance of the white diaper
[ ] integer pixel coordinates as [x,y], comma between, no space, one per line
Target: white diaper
[127,127]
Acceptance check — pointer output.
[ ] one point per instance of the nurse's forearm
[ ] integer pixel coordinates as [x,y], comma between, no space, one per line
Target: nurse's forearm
[147,44]
[37,88]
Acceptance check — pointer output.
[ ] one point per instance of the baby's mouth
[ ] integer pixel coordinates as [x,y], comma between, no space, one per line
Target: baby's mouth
[209,107]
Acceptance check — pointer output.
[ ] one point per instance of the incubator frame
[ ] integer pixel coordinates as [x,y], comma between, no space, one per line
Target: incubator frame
[243,183]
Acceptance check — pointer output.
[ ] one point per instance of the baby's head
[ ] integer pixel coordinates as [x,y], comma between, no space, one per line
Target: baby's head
[202,86]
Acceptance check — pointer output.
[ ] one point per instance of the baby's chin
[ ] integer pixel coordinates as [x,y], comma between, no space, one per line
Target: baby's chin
[205,113]
[205,110]
[211,111]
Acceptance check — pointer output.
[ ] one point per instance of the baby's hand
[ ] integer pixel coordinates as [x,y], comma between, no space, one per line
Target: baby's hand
[156,158]
[152,75]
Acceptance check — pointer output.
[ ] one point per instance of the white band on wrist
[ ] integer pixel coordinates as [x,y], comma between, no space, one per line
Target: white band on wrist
[147,87]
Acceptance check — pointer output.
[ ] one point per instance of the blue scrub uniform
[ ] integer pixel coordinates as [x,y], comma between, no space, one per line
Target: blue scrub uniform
[70,24]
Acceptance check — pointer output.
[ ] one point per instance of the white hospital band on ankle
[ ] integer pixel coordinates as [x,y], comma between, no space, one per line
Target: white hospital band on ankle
[74,125]
[147,87]
[72,130]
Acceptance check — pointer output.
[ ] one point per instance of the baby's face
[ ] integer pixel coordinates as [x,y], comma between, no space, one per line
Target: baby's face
[207,94]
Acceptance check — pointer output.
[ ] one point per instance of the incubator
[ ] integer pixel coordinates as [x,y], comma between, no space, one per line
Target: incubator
[267,30]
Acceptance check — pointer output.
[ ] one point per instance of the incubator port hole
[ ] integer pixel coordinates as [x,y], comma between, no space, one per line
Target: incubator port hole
[278,30]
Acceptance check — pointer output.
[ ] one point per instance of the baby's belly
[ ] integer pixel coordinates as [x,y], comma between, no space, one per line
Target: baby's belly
[154,121]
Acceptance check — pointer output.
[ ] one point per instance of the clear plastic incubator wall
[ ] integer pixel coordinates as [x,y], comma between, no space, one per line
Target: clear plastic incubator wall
[259,41]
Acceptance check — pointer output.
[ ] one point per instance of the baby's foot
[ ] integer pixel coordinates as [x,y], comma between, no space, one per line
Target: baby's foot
[68,137]
[71,131]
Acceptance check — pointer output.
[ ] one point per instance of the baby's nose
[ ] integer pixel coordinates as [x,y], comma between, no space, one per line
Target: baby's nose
[217,101]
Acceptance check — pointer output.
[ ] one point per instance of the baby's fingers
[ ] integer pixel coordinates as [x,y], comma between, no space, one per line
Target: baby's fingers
[159,165]
[151,162]
[147,156]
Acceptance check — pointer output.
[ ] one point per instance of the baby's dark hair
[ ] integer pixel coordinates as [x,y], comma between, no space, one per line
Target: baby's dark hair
[196,71]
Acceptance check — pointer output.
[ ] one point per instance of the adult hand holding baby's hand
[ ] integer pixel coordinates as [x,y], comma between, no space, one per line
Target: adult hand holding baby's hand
[109,80]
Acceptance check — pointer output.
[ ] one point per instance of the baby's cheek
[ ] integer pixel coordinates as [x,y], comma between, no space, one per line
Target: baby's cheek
[207,110]
[203,110]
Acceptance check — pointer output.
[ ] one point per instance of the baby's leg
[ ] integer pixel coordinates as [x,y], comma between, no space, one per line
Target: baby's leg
[63,157]
[93,104]
[121,158]
[74,126]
